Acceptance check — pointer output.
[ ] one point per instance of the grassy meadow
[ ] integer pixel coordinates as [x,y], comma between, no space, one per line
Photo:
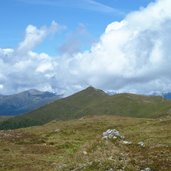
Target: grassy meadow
[77,145]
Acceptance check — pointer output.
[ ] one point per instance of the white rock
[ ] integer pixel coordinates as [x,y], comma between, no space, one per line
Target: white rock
[105,137]
[114,137]
[127,142]
[141,143]
[110,169]
[85,152]
[57,130]
[122,137]
[111,133]
[146,169]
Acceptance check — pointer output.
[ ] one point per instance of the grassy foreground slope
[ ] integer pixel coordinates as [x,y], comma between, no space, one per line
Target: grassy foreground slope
[92,102]
[77,145]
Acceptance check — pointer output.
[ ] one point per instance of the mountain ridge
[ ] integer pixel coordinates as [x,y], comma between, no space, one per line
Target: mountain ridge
[91,101]
[25,101]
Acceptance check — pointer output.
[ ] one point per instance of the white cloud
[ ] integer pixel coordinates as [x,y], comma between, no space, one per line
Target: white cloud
[73,42]
[132,55]
[33,36]
[133,52]
[1,86]
[21,68]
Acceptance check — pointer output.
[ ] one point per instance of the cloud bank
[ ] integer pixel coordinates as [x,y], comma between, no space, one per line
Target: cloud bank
[132,55]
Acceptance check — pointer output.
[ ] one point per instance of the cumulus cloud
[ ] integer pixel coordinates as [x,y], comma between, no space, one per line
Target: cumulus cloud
[21,68]
[33,36]
[75,40]
[132,55]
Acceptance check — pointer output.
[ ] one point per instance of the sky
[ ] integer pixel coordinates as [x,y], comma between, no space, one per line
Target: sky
[74,16]
[64,46]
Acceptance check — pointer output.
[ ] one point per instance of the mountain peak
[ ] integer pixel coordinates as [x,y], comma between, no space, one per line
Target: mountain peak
[93,88]
[90,88]
[25,101]
[34,91]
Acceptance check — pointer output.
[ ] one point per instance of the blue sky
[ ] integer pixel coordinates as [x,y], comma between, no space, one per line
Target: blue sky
[73,15]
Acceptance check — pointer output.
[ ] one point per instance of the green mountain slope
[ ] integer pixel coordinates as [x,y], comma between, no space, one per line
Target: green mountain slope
[92,101]
[131,105]
[4,118]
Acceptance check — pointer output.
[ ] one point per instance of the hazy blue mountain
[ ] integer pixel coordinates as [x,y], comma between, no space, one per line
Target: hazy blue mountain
[25,101]
[167,96]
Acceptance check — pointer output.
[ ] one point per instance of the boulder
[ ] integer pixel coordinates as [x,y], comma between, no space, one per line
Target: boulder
[112,134]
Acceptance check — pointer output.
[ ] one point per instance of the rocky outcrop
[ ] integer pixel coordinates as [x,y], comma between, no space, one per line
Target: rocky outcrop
[112,134]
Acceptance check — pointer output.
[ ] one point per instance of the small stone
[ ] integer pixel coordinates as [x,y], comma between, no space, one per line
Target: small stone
[105,137]
[110,158]
[114,137]
[146,169]
[127,142]
[57,130]
[109,169]
[85,152]
[141,143]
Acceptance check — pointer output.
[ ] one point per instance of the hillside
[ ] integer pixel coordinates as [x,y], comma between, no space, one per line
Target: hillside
[77,145]
[92,101]
[4,118]
[25,101]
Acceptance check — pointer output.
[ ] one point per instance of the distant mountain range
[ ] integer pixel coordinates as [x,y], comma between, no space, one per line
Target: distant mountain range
[167,96]
[25,101]
[93,101]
